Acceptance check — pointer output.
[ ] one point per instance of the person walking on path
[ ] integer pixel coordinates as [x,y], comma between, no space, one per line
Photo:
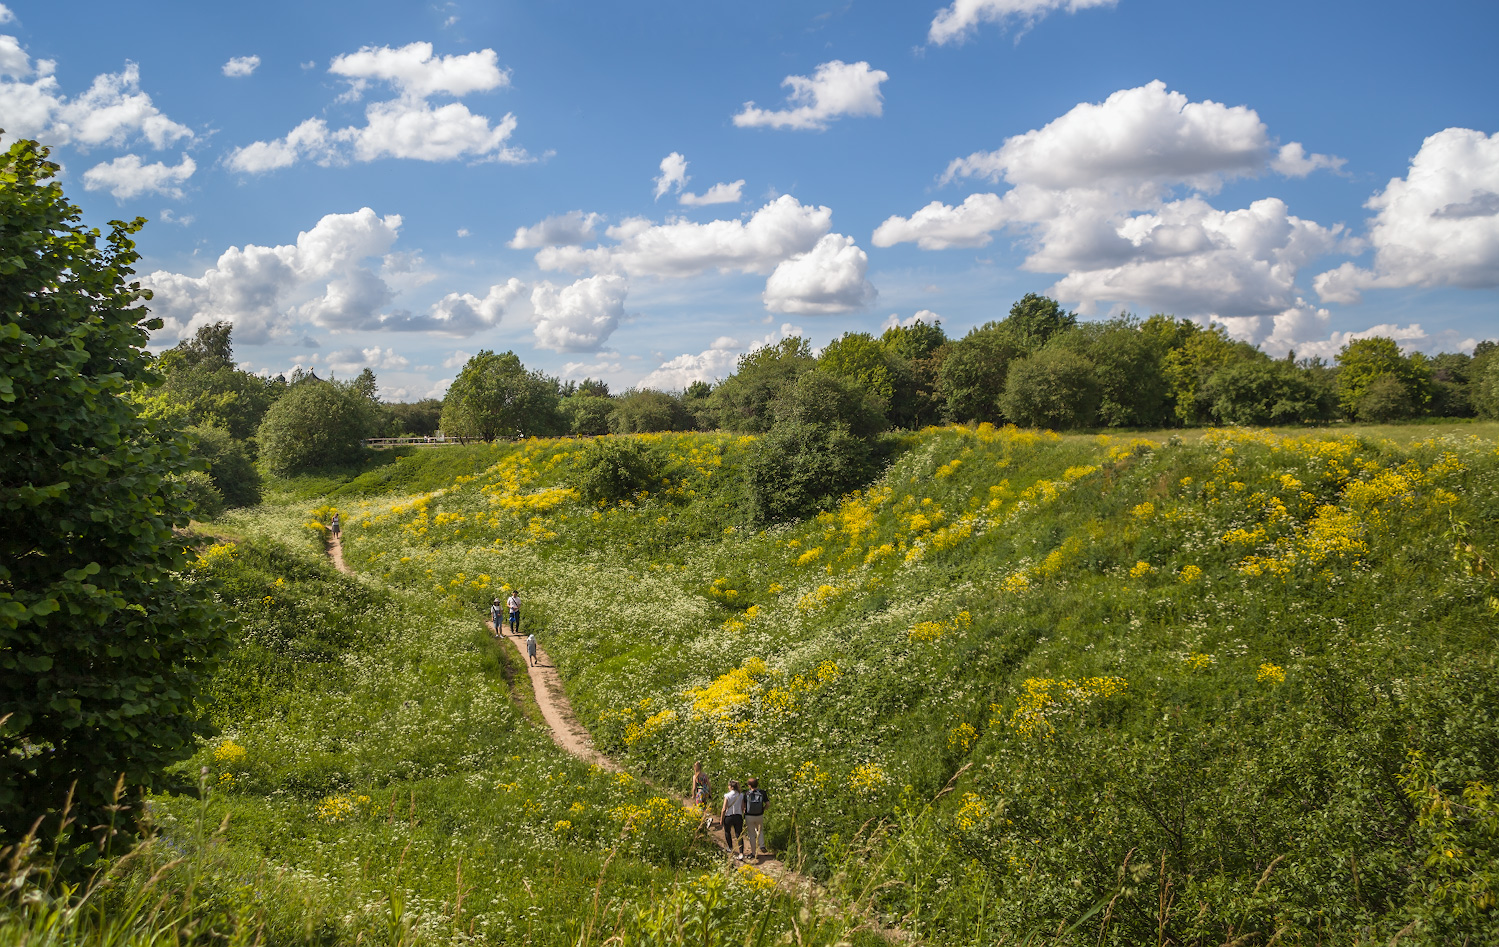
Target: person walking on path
[496,619]
[702,791]
[732,817]
[531,648]
[754,818]
[513,603]
[333,526]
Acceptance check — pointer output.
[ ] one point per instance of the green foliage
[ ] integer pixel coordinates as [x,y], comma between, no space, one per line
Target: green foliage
[1194,356]
[1450,376]
[1128,366]
[202,380]
[742,401]
[1053,388]
[587,415]
[918,351]
[198,489]
[416,419]
[1483,385]
[647,412]
[229,465]
[104,637]
[972,378]
[801,467]
[1034,320]
[1261,391]
[494,396]
[858,357]
[818,397]
[611,470]
[315,424]
[1363,362]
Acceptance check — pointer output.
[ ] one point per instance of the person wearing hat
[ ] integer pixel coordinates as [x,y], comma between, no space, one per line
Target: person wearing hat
[496,609]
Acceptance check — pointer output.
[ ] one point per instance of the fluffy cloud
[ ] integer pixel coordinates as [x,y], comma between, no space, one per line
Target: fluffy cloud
[408,126]
[679,248]
[955,23]
[811,270]
[328,279]
[127,176]
[579,317]
[709,365]
[1096,195]
[1437,226]
[561,230]
[112,111]
[674,177]
[719,193]
[352,361]
[241,66]
[673,174]
[5,15]
[836,89]
[416,73]
[829,279]
[894,321]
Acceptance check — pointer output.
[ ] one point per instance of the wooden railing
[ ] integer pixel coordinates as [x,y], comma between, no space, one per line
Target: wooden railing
[437,441]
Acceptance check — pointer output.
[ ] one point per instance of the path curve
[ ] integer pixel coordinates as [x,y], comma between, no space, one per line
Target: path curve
[571,736]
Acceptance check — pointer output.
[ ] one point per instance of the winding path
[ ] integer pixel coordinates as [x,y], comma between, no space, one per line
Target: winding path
[571,736]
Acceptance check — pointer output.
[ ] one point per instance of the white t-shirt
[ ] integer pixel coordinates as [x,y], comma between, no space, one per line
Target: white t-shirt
[733,803]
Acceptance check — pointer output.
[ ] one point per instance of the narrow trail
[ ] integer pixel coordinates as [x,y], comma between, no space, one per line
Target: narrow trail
[571,736]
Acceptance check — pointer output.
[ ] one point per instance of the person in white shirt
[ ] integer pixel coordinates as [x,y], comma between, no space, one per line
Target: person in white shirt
[732,817]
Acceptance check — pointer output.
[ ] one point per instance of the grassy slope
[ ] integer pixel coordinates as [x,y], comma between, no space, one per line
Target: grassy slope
[1092,631]
[381,784]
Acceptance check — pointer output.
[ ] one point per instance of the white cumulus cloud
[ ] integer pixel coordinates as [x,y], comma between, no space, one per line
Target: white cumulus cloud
[351,361]
[1437,226]
[579,317]
[673,174]
[713,363]
[128,176]
[720,193]
[408,126]
[112,111]
[560,230]
[241,66]
[955,23]
[5,15]
[1097,195]
[829,279]
[836,89]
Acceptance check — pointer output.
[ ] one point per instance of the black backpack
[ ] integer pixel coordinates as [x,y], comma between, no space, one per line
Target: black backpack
[754,802]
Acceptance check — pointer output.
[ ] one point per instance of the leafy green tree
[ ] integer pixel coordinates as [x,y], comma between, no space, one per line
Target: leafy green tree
[365,386]
[414,419]
[315,424]
[106,642]
[1483,380]
[1128,364]
[823,398]
[800,467]
[587,415]
[697,400]
[1450,376]
[1196,353]
[1363,361]
[1053,388]
[647,411]
[971,379]
[495,396]
[1265,391]
[742,401]
[1033,320]
[918,351]
[862,360]
[230,466]
[201,379]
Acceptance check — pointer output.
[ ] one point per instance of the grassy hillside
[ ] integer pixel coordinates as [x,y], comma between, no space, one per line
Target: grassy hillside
[1219,687]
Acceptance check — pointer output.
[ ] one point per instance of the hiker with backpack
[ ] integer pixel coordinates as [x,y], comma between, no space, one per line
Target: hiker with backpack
[496,622]
[531,648]
[754,818]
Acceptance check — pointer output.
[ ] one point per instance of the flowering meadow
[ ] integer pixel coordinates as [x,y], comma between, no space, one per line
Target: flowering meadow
[375,777]
[1197,689]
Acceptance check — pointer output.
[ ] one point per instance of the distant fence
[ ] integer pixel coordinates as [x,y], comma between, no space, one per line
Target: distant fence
[434,441]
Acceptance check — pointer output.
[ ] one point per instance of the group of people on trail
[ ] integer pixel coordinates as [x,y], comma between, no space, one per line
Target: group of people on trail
[511,610]
[741,814]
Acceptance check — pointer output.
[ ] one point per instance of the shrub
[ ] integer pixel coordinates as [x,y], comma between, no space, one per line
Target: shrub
[1054,388]
[614,469]
[315,424]
[800,467]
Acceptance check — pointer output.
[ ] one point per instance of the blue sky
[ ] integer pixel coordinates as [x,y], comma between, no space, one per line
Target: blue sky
[402,184]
